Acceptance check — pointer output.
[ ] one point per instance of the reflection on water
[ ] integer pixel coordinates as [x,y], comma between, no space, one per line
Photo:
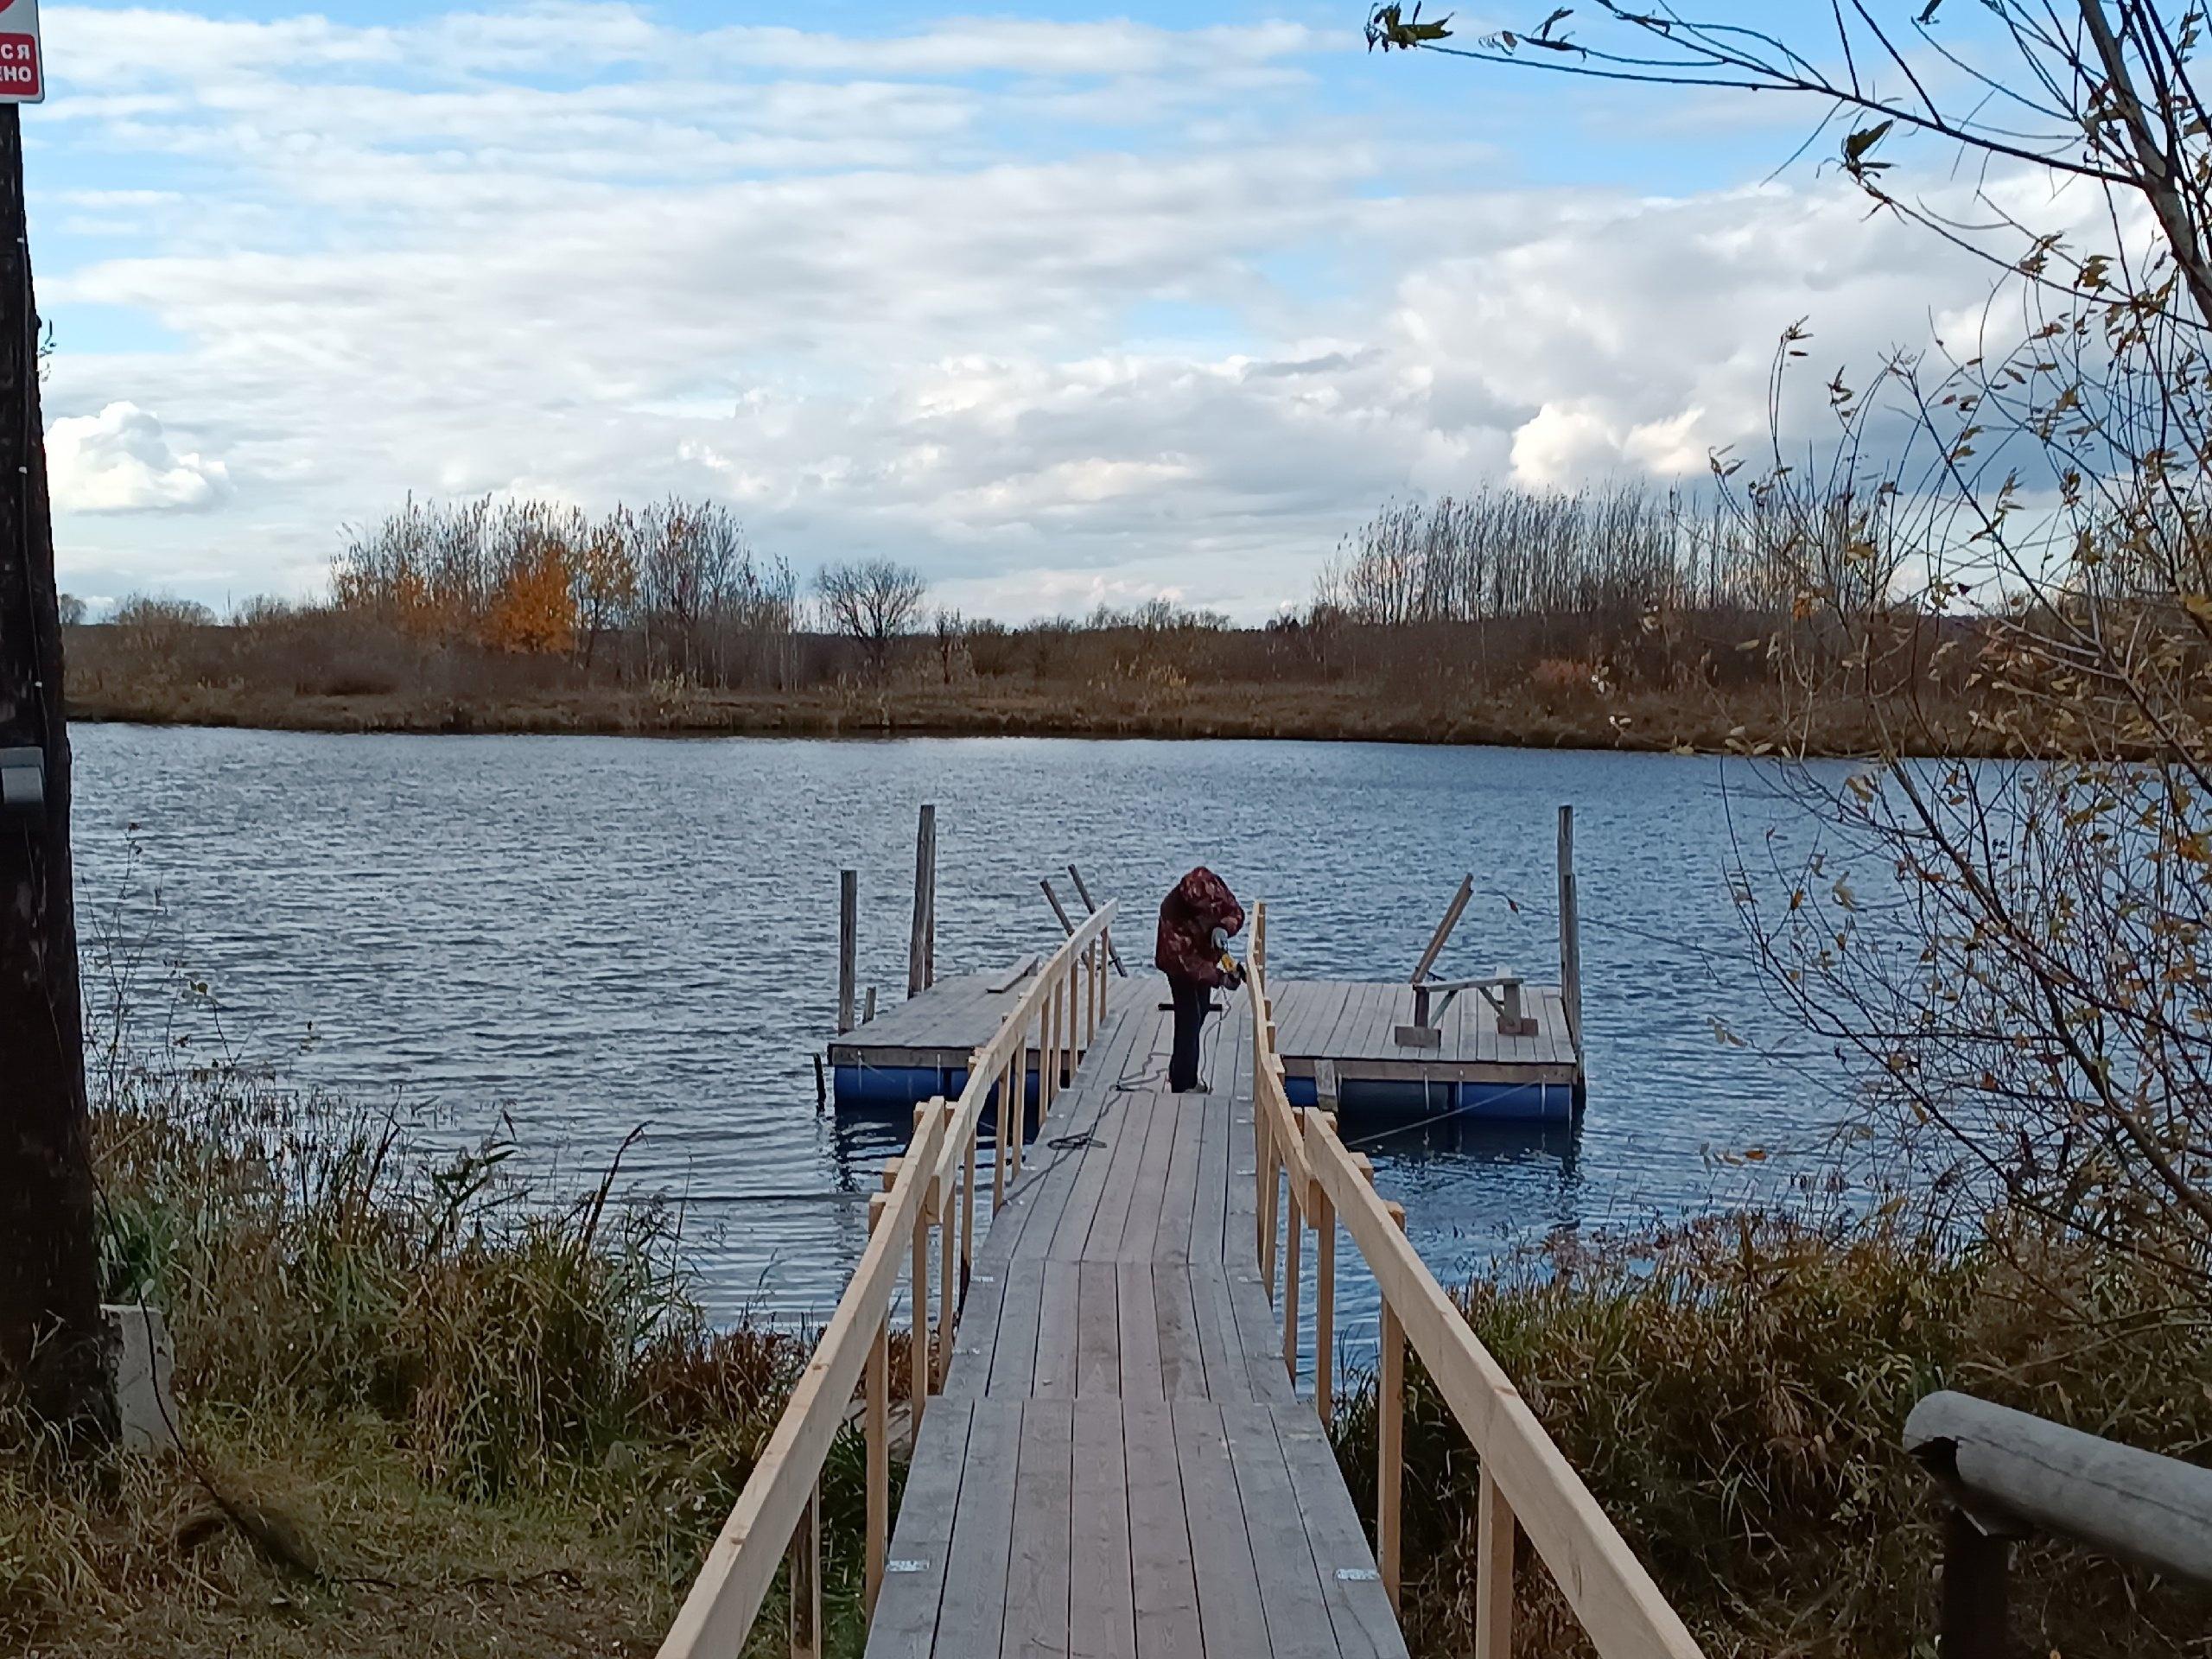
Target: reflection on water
[591,934]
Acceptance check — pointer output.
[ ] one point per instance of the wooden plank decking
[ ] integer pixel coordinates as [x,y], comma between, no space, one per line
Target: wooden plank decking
[1117,1466]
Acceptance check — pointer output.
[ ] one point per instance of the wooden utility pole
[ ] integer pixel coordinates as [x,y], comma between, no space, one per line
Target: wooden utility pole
[52,1353]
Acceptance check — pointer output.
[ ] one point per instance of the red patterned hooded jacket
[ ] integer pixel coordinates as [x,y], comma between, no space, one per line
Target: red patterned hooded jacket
[1201,902]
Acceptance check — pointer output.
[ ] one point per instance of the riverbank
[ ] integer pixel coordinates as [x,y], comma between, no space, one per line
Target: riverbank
[1700,722]
[426,1408]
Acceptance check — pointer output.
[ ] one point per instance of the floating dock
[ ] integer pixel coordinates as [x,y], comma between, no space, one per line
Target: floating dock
[921,1047]
[1339,1040]
[1497,1048]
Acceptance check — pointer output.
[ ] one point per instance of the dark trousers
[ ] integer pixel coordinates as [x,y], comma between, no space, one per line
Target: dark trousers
[1191,999]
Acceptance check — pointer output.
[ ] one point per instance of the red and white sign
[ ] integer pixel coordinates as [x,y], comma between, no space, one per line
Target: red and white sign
[22,69]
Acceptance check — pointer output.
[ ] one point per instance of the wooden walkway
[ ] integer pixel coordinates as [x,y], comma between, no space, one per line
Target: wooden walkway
[1117,1466]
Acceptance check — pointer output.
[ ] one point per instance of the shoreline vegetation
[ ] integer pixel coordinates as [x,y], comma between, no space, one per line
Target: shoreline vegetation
[1105,710]
[429,1404]
[1614,617]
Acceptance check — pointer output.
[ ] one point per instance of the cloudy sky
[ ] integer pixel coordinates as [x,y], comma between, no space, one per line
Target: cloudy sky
[1072,305]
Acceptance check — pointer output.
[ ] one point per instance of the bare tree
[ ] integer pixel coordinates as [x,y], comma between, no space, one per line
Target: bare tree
[871,602]
[950,629]
[72,611]
[2018,951]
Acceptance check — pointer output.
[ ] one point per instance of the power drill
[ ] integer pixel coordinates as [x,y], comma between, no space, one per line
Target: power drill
[1232,972]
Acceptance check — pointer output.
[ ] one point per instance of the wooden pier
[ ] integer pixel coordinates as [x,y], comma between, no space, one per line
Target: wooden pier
[1118,1464]
[1110,1459]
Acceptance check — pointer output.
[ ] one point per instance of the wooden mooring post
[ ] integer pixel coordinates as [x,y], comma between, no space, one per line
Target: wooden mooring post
[848,934]
[1570,930]
[921,943]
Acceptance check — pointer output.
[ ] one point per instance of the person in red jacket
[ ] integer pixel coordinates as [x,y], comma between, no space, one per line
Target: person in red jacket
[1197,921]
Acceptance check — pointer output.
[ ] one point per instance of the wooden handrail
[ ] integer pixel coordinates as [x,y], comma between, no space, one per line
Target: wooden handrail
[717,1615]
[991,1063]
[1526,1480]
[1064,1007]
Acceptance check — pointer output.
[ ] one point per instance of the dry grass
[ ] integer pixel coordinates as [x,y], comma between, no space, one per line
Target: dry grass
[1734,1392]
[1534,717]
[458,1415]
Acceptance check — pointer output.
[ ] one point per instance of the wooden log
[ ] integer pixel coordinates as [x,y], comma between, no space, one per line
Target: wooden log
[849,926]
[1443,933]
[870,1013]
[1495,1532]
[1390,1435]
[1083,891]
[1999,1462]
[917,939]
[1570,933]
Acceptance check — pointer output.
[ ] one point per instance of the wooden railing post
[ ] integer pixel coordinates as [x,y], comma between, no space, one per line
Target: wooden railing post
[1293,1231]
[1083,1012]
[968,1198]
[1048,1070]
[1070,1050]
[917,1339]
[1325,1294]
[1390,1436]
[1012,1147]
[805,1564]
[947,1231]
[878,1434]
[1272,1167]
[1496,1531]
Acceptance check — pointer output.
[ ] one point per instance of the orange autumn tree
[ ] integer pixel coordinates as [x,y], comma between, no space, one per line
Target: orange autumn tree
[528,549]
[534,608]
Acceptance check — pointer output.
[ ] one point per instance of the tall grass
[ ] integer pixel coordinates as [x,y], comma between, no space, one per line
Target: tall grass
[424,1373]
[1733,1392]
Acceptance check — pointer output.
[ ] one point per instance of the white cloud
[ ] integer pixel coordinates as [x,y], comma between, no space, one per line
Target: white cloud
[120,460]
[880,292]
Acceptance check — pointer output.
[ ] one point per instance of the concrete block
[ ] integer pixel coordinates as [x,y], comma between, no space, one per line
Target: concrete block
[145,1367]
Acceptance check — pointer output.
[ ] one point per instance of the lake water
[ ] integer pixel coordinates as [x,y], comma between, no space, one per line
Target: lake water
[593,934]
